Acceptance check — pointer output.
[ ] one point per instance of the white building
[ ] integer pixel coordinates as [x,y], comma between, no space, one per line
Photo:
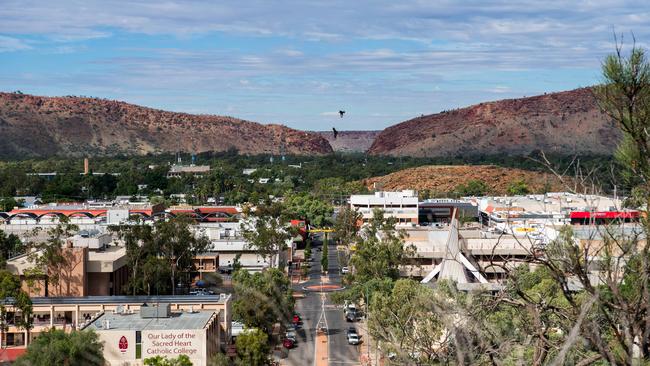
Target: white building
[227,240]
[402,205]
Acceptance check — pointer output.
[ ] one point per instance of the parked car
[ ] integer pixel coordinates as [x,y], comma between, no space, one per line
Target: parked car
[288,343]
[348,307]
[201,292]
[354,339]
[291,335]
[296,319]
[352,330]
[345,270]
[351,316]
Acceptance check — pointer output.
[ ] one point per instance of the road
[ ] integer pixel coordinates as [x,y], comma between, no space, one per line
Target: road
[310,308]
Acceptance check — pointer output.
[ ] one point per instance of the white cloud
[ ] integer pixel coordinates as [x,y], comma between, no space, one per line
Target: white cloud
[9,44]
[499,89]
[330,114]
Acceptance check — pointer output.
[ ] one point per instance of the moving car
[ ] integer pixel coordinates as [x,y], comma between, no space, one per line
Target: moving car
[354,339]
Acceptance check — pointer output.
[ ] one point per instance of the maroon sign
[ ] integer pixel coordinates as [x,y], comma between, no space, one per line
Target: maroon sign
[124,344]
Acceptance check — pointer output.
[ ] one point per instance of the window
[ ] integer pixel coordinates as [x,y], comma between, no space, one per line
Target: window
[138,344]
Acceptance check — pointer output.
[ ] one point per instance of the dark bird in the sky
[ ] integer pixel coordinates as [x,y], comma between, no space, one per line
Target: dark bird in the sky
[341,113]
[336,133]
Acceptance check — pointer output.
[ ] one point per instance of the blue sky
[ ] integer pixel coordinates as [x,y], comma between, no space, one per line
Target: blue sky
[299,62]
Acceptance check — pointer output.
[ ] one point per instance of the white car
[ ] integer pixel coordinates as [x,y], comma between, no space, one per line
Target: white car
[349,308]
[345,270]
[353,339]
[201,292]
[291,335]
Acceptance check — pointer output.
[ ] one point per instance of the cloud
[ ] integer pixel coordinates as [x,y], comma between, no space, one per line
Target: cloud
[499,89]
[330,114]
[9,44]
[290,60]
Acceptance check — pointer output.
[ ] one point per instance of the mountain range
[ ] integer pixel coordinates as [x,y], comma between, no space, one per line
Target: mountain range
[564,123]
[78,126]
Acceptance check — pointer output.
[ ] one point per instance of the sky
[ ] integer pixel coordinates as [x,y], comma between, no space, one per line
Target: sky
[299,62]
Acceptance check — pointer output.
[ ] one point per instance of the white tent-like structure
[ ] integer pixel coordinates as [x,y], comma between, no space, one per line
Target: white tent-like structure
[455,266]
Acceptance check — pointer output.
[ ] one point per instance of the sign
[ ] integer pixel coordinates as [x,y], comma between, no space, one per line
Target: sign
[172,343]
[123,344]
[119,346]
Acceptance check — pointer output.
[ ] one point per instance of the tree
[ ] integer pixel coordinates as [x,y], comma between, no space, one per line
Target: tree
[346,225]
[12,294]
[405,323]
[220,359]
[305,206]
[324,260]
[7,204]
[158,255]
[56,347]
[50,259]
[178,245]
[10,246]
[181,360]
[252,348]
[266,230]
[380,250]
[473,187]
[308,249]
[263,298]
[518,188]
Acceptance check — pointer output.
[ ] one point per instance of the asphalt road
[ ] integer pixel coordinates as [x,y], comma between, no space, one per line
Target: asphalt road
[310,308]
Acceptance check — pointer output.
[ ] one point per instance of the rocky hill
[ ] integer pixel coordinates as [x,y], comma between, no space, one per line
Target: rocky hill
[445,178]
[564,123]
[350,141]
[75,126]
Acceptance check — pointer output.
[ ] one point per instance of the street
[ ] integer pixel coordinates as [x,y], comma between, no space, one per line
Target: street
[311,307]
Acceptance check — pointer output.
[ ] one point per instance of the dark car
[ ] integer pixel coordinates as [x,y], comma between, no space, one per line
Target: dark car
[351,316]
[351,330]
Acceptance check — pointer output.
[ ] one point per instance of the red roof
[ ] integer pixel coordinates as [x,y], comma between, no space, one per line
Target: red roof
[604,214]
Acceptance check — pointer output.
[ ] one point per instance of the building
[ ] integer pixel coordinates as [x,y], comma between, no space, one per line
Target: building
[523,215]
[74,313]
[155,330]
[83,213]
[206,213]
[92,267]
[199,171]
[439,211]
[402,205]
[227,240]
